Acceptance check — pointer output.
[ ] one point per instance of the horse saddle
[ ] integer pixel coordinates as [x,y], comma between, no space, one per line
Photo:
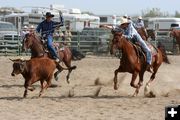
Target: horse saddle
[141,53]
[56,45]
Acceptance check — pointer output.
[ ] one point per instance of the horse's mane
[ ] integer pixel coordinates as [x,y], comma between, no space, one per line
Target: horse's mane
[38,38]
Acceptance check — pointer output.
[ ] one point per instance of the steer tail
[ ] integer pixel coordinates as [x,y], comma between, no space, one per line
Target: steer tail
[164,55]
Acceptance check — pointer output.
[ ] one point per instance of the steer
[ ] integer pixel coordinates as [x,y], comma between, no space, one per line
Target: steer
[36,69]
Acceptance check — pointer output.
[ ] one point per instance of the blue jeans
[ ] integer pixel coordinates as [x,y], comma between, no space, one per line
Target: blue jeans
[50,47]
[145,48]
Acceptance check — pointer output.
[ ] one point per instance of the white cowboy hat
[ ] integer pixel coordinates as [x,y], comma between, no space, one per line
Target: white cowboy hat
[125,16]
[123,21]
[31,27]
[140,17]
[25,27]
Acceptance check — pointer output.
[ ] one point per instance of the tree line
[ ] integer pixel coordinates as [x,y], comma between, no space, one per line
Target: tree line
[156,12]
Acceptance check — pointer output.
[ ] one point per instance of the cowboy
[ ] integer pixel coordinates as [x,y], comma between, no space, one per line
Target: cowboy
[140,22]
[31,29]
[24,32]
[125,16]
[131,33]
[68,36]
[47,28]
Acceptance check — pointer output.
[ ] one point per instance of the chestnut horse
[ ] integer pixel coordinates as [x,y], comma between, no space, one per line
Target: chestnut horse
[132,63]
[176,34]
[145,34]
[33,42]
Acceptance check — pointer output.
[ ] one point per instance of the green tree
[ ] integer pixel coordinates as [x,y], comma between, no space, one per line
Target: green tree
[177,14]
[154,12]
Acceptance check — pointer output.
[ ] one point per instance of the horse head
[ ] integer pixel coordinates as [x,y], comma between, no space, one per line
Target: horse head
[143,33]
[27,41]
[151,33]
[116,41]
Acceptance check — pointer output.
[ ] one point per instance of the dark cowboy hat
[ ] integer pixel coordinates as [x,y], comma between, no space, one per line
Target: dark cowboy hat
[48,14]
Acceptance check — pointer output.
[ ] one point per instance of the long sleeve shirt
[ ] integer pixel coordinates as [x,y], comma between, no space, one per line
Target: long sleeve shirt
[47,28]
[139,24]
[130,31]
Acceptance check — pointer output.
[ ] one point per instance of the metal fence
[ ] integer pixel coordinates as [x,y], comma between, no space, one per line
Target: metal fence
[89,41]
[167,41]
[10,46]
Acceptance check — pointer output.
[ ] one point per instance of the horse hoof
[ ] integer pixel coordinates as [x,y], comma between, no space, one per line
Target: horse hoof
[40,95]
[68,81]
[134,95]
[115,87]
[56,78]
[24,96]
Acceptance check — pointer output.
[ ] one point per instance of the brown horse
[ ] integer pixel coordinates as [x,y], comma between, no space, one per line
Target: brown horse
[151,34]
[176,34]
[33,42]
[132,63]
[145,34]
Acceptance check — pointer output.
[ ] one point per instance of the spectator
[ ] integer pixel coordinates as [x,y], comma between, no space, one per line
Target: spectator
[68,36]
[24,31]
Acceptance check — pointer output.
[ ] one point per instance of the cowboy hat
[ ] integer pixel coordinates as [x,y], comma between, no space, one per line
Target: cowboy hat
[125,16]
[124,21]
[140,17]
[25,27]
[32,27]
[48,14]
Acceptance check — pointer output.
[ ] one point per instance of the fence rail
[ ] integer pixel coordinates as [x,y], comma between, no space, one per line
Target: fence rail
[87,41]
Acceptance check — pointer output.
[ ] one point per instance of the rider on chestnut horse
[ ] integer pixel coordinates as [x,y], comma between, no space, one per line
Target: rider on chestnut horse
[130,33]
[46,28]
[139,23]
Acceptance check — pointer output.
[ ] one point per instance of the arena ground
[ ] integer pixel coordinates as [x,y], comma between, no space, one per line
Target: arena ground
[90,94]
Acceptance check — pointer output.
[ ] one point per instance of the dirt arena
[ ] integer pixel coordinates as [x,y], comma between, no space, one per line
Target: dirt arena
[90,94]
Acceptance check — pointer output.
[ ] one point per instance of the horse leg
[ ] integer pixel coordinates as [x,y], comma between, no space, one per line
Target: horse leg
[68,75]
[115,77]
[60,69]
[68,65]
[134,76]
[147,91]
[140,83]
[31,88]
[56,74]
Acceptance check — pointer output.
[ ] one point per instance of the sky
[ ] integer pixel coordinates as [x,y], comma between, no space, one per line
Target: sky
[102,7]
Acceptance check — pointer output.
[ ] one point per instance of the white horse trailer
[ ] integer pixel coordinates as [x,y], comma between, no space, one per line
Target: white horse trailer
[163,24]
[108,20]
[78,22]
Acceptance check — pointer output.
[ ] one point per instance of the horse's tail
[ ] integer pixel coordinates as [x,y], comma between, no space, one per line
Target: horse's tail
[76,55]
[164,55]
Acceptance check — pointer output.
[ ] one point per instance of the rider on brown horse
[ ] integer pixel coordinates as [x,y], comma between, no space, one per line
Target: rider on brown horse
[46,28]
[131,34]
[139,23]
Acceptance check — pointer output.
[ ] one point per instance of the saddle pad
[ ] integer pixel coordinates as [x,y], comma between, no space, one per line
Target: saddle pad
[58,46]
[153,49]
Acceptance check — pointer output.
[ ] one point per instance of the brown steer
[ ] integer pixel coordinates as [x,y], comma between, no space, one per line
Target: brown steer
[36,69]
